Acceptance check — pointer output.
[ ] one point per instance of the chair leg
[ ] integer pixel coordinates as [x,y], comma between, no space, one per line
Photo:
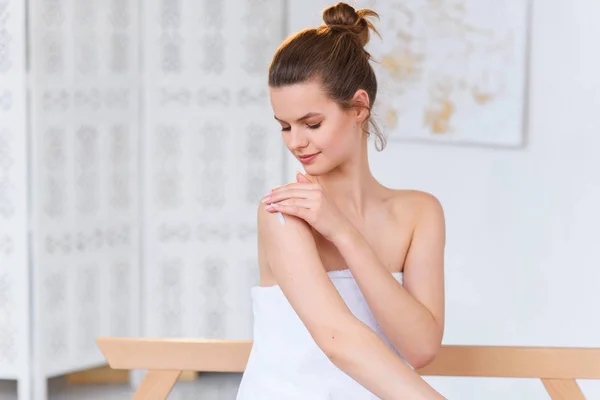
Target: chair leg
[563,389]
[156,385]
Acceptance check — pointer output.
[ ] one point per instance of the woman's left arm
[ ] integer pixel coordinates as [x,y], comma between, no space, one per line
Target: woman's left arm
[410,315]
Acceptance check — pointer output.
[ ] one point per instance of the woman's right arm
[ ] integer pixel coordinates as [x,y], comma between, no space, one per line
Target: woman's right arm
[289,250]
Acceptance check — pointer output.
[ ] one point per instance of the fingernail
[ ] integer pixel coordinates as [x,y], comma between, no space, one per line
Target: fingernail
[266,199]
[269,207]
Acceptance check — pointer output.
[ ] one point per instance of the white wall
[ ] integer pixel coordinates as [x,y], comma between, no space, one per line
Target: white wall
[522,265]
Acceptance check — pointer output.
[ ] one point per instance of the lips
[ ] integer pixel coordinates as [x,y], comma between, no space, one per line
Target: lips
[308,158]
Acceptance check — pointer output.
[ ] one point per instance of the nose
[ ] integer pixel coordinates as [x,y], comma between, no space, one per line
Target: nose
[297,139]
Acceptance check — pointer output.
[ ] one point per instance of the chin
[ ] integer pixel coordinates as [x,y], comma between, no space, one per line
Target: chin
[317,169]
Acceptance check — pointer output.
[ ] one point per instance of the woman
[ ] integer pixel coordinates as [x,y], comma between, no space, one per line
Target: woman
[352,287]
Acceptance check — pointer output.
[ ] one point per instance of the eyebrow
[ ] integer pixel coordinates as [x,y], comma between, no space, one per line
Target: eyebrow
[307,116]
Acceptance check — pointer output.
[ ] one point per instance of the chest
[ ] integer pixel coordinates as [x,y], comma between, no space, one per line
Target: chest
[389,242]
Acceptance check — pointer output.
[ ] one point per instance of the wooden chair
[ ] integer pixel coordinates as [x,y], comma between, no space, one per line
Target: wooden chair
[165,359]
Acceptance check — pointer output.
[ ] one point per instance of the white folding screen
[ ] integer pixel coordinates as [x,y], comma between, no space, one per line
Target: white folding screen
[84,209]
[14,275]
[211,149]
[208,148]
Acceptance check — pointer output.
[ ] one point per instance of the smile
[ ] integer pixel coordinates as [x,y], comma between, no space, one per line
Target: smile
[306,159]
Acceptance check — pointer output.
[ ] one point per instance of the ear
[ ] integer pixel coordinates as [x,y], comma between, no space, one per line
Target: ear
[362,105]
[301,178]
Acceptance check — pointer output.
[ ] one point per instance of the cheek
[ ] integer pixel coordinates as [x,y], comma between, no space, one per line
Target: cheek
[340,140]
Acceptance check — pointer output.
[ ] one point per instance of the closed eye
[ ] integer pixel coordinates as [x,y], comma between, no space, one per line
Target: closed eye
[289,128]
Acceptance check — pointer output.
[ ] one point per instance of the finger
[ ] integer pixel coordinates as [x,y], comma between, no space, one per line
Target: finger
[291,186]
[296,211]
[309,178]
[306,203]
[300,177]
[296,185]
[289,194]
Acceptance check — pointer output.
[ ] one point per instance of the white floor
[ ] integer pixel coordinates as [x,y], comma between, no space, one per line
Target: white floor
[206,387]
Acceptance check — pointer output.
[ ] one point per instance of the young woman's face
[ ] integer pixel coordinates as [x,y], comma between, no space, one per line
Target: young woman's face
[316,130]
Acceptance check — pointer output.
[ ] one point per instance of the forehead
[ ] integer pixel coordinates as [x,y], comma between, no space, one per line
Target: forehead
[293,101]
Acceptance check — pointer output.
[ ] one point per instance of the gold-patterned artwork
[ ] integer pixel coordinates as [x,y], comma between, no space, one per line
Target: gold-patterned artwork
[452,70]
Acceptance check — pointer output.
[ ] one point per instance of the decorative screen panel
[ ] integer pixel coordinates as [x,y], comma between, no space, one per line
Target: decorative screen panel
[85,177]
[14,288]
[211,149]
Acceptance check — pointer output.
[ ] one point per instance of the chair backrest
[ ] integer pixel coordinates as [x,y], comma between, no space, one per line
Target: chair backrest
[165,359]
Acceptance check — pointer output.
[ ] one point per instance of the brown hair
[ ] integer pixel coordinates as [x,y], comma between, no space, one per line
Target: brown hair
[334,54]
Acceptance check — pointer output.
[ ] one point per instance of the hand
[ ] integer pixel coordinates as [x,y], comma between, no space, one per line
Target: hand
[306,200]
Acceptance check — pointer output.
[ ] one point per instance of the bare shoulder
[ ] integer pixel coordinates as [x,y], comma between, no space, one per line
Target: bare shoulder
[418,206]
[415,201]
[270,224]
[273,232]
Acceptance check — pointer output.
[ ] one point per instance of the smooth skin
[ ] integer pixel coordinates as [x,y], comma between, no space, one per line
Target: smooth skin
[338,216]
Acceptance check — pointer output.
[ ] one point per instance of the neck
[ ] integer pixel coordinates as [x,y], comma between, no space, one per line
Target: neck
[351,185]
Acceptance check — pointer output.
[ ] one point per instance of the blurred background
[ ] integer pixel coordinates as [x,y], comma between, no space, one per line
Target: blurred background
[136,138]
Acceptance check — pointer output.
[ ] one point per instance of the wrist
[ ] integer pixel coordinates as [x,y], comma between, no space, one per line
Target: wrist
[346,237]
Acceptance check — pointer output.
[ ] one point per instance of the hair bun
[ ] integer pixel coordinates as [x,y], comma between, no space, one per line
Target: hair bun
[344,17]
[340,14]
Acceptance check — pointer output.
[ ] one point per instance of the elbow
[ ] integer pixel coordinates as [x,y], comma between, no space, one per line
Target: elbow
[419,361]
[422,357]
[421,350]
